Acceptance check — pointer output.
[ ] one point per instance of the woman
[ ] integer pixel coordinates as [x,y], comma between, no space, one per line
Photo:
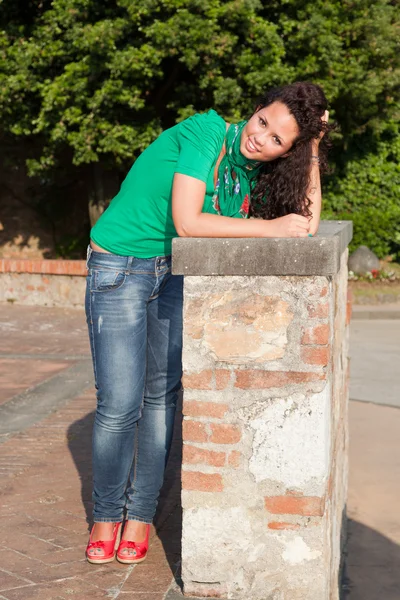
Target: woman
[201,178]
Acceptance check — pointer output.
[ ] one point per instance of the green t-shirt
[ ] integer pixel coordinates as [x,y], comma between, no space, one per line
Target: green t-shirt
[138,221]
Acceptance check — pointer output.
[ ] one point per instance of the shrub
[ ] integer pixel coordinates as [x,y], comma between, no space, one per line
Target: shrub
[367,192]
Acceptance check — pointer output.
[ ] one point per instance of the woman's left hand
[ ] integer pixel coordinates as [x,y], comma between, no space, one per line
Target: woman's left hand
[324,119]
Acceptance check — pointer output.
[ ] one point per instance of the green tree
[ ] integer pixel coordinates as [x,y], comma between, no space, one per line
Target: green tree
[93,82]
[104,78]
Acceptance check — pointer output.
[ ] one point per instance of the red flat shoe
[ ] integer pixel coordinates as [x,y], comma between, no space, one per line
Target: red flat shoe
[108,547]
[140,549]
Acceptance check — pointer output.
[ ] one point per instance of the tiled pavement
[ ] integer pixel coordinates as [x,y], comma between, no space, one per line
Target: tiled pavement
[46,411]
[45,478]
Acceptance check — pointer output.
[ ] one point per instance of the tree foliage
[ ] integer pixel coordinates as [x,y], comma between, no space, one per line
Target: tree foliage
[95,81]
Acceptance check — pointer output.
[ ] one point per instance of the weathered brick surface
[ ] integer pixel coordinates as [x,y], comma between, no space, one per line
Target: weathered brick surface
[222,377]
[193,408]
[257,379]
[295,505]
[318,335]
[195,455]
[194,431]
[319,311]
[324,291]
[224,434]
[316,355]
[30,288]
[282,525]
[48,267]
[202,482]
[198,381]
[234,459]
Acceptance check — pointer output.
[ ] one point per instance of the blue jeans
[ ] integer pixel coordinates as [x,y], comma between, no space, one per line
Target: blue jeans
[134,315]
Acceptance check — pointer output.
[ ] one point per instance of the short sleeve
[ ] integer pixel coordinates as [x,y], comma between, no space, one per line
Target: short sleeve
[200,141]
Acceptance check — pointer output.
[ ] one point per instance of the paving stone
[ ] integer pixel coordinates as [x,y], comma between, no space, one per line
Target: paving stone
[61,590]
[12,580]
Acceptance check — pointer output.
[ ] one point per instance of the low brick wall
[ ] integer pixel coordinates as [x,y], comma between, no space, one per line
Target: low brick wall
[265,415]
[43,282]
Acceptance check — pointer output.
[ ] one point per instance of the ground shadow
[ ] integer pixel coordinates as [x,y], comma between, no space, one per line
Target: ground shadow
[168,519]
[80,446]
[372,567]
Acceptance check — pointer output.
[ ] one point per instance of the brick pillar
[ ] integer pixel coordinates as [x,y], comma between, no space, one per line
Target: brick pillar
[265,415]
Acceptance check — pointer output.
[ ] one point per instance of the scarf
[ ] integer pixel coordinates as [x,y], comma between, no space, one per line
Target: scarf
[236,178]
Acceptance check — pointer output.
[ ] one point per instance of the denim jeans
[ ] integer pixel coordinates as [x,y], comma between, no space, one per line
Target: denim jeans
[134,316]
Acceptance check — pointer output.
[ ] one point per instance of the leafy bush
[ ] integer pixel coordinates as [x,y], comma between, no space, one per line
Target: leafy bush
[367,191]
[93,82]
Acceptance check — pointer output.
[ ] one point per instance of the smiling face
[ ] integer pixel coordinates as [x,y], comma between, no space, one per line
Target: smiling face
[269,133]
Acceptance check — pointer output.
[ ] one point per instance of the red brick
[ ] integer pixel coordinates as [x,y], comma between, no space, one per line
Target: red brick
[202,482]
[49,267]
[234,459]
[270,379]
[294,505]
[203,590]
[30,288]
[315,355]
[222,378]
[193,408]
[194,431]
[198,381]
[282,525]
[318,335]
[225,434]
[320,311]
[324,291]
[194,455]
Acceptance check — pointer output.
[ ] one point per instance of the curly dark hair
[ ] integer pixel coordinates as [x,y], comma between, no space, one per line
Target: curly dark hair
[281,188]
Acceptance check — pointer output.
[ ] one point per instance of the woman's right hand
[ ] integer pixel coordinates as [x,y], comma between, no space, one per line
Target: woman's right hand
[289,226]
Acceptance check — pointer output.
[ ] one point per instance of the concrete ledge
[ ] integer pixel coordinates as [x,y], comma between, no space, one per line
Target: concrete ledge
[319,255]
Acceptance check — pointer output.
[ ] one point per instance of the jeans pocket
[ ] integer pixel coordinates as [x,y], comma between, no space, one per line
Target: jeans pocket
[106,280]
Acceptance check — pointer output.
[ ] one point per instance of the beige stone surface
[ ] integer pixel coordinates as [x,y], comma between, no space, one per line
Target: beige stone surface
[36,290]
[240,326]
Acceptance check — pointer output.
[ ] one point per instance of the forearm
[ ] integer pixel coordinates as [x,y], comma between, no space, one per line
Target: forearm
[314,193]
[207,225]
[187,201]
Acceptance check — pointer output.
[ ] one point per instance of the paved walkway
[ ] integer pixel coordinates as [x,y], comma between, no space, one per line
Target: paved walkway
[46,411]
[45,472]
